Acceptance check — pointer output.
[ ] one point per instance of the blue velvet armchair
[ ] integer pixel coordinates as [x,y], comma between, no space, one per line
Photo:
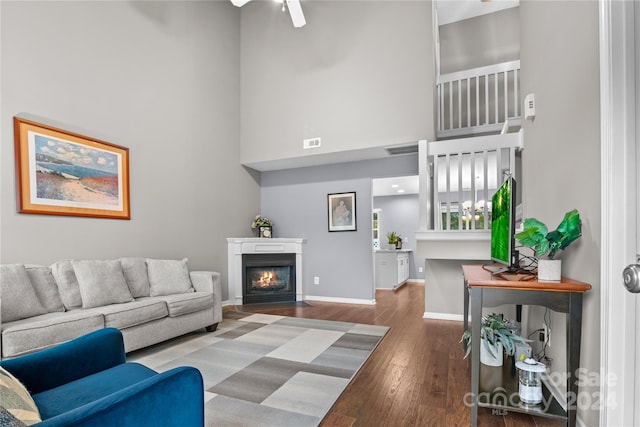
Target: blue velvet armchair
[87,382]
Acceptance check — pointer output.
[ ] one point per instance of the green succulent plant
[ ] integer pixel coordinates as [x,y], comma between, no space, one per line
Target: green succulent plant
[495,328]
[392,237]
[536,235]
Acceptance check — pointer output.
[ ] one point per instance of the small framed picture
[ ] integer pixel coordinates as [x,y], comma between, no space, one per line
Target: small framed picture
[342,211]
[264,231]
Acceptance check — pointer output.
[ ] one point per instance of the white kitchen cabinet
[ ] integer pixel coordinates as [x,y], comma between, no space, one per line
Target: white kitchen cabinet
[392,268]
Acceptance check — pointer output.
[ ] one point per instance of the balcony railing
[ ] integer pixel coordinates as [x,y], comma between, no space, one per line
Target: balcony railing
[459,177]
[479,100]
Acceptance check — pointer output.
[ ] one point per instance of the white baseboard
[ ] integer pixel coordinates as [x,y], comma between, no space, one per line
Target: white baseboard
[226,303]
[340,300]
[443,316]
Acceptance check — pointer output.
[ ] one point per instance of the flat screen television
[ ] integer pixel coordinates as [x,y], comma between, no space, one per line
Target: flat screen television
[503,223]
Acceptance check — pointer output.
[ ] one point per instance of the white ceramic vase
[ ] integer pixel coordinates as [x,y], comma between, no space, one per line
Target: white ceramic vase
[487,358]
[549,270]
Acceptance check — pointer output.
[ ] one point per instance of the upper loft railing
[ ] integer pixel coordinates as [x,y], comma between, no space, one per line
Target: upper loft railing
[478,100]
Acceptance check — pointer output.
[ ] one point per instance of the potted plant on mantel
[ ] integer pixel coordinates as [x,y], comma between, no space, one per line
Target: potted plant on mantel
[546,244]
[263,225]
[497,336]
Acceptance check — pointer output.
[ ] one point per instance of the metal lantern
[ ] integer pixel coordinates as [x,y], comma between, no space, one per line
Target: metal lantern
[530,387]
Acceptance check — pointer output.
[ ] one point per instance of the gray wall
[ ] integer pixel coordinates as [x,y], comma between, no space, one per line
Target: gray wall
[296,200]
[400,214]
[561,160]
[161,78]
[483,40]
[360,74]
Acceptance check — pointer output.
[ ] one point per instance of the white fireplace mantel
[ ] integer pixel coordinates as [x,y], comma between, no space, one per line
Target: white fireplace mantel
[237,246]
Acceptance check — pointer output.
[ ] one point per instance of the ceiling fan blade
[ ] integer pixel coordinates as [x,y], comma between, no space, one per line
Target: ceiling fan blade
[295,10]
[240,3]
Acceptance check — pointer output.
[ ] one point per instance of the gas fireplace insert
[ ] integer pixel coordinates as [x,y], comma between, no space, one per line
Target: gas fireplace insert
[268,277]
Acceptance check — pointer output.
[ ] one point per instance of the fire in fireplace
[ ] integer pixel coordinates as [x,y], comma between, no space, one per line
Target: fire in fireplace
[268,278]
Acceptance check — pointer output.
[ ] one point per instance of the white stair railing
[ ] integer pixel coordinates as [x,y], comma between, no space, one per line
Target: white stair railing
[478,100]
[462,175]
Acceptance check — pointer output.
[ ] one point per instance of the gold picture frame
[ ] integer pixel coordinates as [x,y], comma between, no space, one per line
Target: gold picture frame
[63,173]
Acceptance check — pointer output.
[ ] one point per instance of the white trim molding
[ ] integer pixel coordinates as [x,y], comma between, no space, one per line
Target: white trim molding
[618,229]
[340,300]
[444,316]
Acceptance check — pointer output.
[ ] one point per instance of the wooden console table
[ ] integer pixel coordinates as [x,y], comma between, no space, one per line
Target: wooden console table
[482,289]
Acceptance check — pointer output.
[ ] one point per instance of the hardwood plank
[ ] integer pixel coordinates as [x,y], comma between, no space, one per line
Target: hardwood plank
[416,376]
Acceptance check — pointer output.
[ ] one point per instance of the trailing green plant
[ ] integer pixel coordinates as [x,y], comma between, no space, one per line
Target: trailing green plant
[536,235]
[495,328]
[392,237]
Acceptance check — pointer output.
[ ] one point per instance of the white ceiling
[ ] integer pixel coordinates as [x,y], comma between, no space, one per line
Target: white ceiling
[457,10]
[395,186]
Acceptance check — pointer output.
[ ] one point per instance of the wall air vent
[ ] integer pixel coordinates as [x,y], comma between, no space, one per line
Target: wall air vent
[311,143]
[402,149]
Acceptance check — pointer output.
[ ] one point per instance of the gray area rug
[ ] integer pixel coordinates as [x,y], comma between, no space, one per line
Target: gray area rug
[266,370]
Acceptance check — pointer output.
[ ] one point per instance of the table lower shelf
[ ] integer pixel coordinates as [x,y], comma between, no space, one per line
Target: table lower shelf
[499,390]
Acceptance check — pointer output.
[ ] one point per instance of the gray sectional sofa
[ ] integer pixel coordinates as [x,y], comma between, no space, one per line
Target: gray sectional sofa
[149,300]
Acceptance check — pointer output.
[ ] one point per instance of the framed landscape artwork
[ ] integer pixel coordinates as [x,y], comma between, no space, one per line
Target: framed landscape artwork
[342,211]
[63,173]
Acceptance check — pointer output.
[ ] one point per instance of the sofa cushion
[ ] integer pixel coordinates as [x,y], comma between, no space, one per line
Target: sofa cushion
[135,272]
[180,304]
[133,313]
[75,394]
[19,299]
[67,283]
[168,277]
[101,283]
[43,331]
[45,286]
[16,399]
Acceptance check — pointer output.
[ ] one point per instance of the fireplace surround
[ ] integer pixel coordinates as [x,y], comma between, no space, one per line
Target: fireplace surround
[280,256]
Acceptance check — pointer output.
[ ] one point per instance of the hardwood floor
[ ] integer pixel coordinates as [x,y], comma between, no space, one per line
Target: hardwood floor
[416,376]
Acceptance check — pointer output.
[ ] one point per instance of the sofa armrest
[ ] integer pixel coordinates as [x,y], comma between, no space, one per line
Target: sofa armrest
[171,398]
[78,358]
[206,281]
[209,281]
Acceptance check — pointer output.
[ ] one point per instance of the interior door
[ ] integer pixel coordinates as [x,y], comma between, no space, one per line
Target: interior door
[637,82]
[619,401]
[634,287]
[636,406]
